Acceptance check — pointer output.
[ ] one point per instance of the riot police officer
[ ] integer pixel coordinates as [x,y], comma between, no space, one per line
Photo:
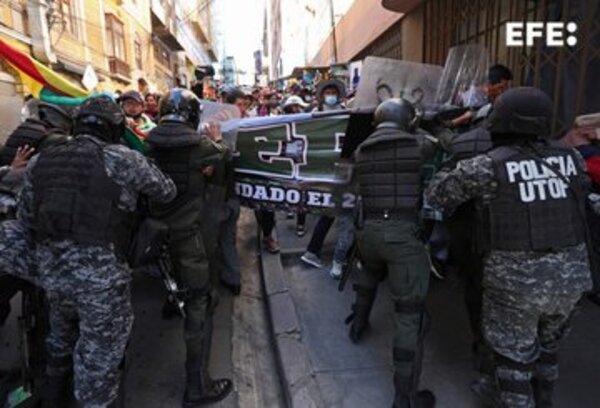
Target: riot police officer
[49,124]
[460,225]
[388,167]
[77,206]
[531,229]
[186,155]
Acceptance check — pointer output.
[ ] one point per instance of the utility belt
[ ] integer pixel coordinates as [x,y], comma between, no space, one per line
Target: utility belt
[396,214]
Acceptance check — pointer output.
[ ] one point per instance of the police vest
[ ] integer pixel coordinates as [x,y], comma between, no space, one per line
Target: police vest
[388,169]
[540,203]
[177,151]
[75,199]
[470,144]
[31,132]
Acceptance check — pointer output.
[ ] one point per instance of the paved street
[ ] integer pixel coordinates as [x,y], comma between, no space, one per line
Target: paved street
[351,376]
[156,375]
[320,367]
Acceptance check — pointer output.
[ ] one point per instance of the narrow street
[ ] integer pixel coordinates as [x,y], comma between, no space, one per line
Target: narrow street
[355,376]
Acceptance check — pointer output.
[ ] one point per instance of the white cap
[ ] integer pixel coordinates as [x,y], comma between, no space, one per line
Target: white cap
[294,100]
[590,120]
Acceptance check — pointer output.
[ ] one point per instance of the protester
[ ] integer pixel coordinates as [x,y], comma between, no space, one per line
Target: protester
[498,81]
[330,94]
[294,104]
[133,106]
[151,106]
[584,137]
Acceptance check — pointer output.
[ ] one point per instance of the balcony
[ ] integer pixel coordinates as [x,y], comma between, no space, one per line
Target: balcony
[119,68]
[164,23]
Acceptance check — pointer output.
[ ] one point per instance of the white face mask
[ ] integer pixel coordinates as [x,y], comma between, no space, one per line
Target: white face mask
[331,100]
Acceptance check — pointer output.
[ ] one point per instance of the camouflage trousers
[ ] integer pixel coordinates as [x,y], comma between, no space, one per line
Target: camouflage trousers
[88,329]
[525,326]
[15,252]
[89,332]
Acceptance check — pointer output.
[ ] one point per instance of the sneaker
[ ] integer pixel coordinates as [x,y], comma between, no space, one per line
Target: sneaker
[311,259]
[336,270]
[300,230]
[271,245]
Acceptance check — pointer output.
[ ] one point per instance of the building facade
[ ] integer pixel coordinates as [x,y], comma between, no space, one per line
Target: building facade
[424,31]
[123,40]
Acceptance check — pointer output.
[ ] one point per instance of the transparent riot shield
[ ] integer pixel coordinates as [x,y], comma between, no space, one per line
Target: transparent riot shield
[384,78]
[220,112]
[464,74]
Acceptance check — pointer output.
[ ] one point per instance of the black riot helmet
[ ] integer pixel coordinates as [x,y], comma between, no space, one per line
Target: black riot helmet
[396,113]
[180,106]
[56,117]
[523,112]
[102,117]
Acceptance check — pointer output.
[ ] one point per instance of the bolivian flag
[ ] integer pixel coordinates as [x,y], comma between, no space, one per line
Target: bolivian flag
[47,85]
[38,78]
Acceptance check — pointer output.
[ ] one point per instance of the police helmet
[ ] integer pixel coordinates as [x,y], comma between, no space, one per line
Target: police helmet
[56,116]
[180,106]
[396,113]
[521,111]
[102,117]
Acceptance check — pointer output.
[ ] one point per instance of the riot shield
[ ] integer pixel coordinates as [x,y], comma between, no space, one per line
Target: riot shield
[384,78]
[463,77]
[220,112]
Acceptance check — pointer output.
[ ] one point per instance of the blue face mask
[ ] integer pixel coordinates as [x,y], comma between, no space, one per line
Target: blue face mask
[331,100]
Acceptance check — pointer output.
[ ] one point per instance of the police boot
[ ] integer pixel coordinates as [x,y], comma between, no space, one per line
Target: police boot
[361,310]
[421,399]
[407,397]
[200,389]
[542,392]
[55,391]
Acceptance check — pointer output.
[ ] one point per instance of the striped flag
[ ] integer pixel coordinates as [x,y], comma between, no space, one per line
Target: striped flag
[38,78]
[47,85]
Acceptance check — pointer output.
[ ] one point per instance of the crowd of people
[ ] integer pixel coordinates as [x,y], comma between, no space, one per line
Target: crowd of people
[83,196]
[82,193]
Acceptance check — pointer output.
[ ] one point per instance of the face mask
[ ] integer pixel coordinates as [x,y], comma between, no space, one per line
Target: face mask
[331,100]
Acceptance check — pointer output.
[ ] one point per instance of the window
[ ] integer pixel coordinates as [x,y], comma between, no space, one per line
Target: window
[115,37]
[19,17]
[69,18]
[161,54]
[137,50]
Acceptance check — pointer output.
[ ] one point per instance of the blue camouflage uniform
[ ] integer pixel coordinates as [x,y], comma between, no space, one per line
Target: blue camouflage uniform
[88,285]
[529,296]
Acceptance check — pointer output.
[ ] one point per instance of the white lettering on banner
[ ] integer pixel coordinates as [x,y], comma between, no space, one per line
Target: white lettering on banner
[277,194]
[327,197]
[314,198]
[291,196]
[539,182]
